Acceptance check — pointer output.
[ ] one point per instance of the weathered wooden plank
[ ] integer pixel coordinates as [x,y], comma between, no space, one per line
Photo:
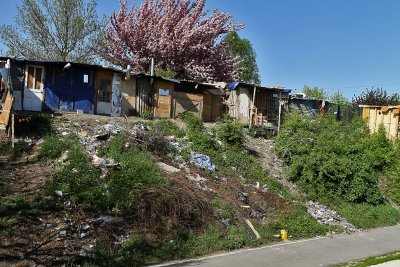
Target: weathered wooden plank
[5,114]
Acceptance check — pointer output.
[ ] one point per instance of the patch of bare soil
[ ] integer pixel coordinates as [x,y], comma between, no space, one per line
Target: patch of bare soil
[270,162]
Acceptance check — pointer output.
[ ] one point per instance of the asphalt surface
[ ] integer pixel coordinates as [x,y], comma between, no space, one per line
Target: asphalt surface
[323,251]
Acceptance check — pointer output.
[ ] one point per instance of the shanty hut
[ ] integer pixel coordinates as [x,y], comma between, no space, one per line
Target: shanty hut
[202,99]
[257,105]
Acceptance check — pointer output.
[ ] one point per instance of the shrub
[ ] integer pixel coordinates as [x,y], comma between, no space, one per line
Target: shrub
[392,175]
[332,160]
[147,115]
[167,127]
[231,133]
[137,170]
[193,123]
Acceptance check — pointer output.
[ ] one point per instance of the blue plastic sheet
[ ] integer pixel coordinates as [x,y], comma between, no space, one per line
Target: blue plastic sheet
[202,161]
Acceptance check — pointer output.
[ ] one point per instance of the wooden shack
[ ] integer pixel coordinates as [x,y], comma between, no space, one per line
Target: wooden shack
[59,86]
[388,116]
[256,105]
[204,100]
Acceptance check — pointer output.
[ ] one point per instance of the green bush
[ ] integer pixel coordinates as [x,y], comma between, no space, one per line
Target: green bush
[231,133]
[137,170]
[194,124]
[147,115]
[332,160]
[392,175]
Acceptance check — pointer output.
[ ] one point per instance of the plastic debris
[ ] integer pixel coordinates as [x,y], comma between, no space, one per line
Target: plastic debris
[103,219]
[59,193]
[202,161]
[226,222]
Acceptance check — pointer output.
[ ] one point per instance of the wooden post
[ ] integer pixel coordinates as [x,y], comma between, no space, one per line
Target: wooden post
[280,111]
[12,130]
[252,107]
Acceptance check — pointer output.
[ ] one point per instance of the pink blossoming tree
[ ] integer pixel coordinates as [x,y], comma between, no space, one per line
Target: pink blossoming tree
[179,34]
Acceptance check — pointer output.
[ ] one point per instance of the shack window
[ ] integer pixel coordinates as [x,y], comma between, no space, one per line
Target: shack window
[105,91]
[85,78]
[34,77]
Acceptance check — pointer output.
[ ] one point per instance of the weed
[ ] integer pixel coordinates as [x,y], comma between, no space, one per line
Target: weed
[53,146]
[137,170]
[372,261]
[39,123]
[369,216]
[299,224]
[167,127]
[80,181]
[224,210]
[147,115]
[258,131]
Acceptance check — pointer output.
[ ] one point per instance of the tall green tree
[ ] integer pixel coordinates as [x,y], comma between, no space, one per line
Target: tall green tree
[339,99]
[242,48]
[315,92]
[67,30]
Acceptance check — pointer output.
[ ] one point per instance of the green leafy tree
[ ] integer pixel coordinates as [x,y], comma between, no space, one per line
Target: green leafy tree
[243,49]
[339,98]
[67,30]
[318,93]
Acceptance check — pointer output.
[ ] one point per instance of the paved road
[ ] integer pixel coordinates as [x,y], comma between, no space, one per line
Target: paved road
[322,251]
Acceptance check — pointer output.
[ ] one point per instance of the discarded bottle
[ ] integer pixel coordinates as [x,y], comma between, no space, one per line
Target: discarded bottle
[283,234]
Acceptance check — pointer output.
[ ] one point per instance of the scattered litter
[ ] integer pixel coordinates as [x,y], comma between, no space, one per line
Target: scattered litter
[85,227]
[202,161]
[168,168]
[49,225]
[63,232]
[64,133]
[226,222]
[84,234]
[324,215]
[59,193]
[103,219]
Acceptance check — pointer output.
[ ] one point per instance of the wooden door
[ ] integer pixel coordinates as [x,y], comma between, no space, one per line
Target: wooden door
[164,103]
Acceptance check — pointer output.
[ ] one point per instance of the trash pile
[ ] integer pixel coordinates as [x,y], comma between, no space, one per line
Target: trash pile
[326,216]
[202,161]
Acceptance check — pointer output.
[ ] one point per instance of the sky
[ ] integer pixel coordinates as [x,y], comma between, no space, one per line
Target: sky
[345,45]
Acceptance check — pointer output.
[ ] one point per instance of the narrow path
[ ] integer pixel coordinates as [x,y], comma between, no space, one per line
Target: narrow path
[322,251]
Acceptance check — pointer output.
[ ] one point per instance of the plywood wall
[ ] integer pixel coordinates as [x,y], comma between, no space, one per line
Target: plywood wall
[128,90]
[386,116]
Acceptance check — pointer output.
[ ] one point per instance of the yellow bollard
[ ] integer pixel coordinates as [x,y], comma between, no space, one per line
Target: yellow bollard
[283,234]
